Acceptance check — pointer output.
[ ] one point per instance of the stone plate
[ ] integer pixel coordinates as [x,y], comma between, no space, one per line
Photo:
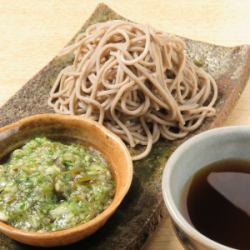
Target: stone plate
[143,207]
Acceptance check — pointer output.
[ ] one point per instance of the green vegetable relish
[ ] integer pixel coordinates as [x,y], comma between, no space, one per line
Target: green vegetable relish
[49,186]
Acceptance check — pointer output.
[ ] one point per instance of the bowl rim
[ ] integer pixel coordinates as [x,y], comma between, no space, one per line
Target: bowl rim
[174,212]
[104,215]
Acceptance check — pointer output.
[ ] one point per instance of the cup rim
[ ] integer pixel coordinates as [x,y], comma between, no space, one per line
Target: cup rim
[173,210]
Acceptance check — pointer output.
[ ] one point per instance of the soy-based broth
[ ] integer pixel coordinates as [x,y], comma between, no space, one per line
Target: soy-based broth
[217,202]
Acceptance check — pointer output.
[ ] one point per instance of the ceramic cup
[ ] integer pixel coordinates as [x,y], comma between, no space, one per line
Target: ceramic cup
[69,129]
[191,156]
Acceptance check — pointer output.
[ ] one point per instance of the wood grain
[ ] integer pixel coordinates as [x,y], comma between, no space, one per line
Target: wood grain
[32,32]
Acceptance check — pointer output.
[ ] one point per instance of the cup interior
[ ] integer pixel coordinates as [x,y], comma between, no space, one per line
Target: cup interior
[194,154]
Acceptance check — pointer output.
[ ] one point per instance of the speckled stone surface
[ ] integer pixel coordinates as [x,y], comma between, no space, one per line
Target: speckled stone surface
[143,207]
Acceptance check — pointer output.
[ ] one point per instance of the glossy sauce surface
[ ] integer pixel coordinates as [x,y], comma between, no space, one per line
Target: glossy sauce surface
[217,202]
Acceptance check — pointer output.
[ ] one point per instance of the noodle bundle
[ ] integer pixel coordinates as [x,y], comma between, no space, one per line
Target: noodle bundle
[136,81]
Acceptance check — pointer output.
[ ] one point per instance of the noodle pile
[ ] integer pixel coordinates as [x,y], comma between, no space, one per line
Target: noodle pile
[136,81]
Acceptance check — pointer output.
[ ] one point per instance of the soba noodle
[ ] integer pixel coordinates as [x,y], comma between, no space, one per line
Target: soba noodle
[136,81]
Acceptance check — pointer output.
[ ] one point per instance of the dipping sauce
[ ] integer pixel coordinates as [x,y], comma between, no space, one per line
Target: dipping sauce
[50,186]
[217,202]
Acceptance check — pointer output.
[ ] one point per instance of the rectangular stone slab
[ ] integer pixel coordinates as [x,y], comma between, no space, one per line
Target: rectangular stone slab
[143,207]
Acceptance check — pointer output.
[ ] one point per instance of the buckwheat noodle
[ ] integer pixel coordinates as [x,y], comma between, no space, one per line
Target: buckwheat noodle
[136,81]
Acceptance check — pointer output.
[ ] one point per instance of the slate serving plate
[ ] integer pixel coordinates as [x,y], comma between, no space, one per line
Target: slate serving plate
[143,207]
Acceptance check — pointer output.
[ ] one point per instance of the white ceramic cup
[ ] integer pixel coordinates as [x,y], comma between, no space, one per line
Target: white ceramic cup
[197,152]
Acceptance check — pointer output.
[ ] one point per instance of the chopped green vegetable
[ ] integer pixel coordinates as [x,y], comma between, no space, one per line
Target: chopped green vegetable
[199,62]
[50,186]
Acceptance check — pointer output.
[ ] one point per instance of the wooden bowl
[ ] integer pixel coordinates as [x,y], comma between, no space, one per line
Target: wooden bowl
[74,129]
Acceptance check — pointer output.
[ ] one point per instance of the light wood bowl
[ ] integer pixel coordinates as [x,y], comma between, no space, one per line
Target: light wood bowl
[74,129]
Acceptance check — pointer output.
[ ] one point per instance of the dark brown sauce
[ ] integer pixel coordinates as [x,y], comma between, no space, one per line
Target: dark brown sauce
[217,202]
